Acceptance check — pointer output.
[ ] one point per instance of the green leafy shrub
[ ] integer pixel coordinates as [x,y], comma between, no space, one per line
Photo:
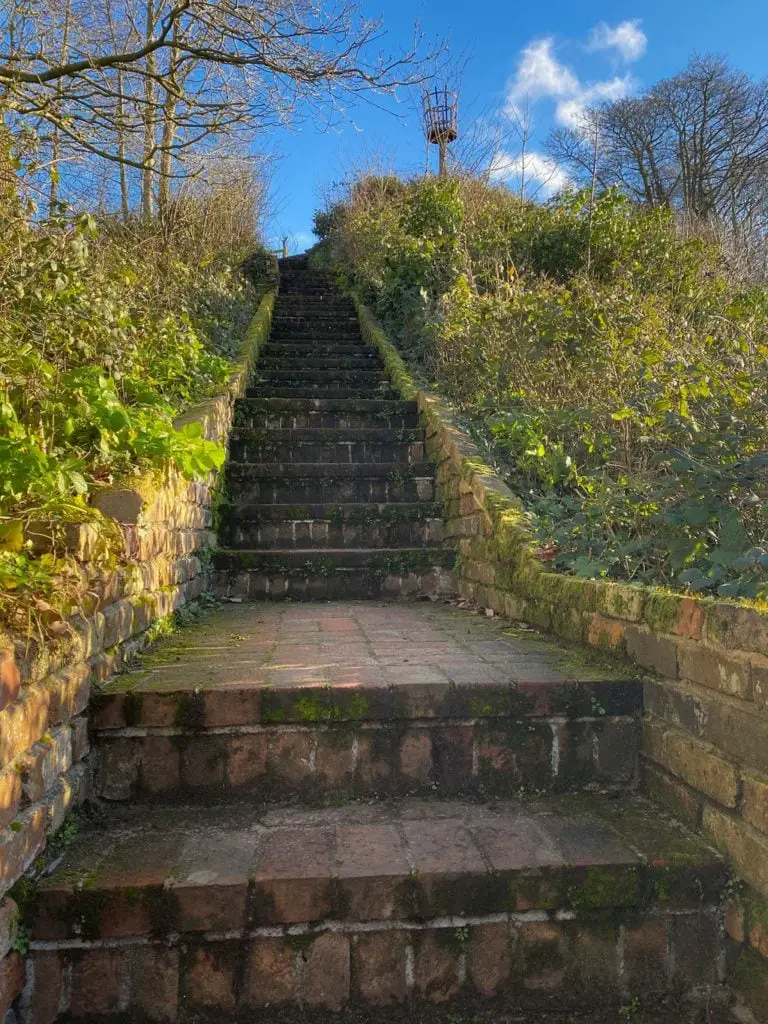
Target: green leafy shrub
[615,373]
[107,331]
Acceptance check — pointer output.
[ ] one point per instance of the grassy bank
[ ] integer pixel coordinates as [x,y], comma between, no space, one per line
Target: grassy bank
[615,369]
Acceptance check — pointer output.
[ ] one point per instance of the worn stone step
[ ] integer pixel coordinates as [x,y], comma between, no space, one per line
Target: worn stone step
[273,449]
[319,350]
[309,336]
[330,482]
[259,526]
[326,391]
[189,914]
[294,309]
[373,377]
[309,563]
[336,413]
[344,584]
[313,359]
[354,700]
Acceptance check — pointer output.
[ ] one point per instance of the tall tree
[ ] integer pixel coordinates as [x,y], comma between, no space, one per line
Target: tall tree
[144,83]
[697,142]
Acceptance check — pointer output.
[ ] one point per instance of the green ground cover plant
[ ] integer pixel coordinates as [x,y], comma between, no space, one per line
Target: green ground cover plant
[615,369]
[108,329]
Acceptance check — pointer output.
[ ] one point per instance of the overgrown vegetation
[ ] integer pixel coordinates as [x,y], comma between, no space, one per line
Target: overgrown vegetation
[614,367]
[107,330]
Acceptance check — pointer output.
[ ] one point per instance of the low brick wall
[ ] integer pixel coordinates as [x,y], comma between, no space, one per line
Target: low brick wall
[705,741]
[166,529]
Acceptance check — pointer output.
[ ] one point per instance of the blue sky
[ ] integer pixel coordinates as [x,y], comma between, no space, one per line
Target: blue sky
[553,56]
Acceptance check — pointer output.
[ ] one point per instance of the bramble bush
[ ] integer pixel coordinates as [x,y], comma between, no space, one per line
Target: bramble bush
[615,370]
[107,331]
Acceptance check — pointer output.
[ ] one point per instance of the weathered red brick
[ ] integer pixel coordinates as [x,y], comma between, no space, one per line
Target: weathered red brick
[374,872]
[210,977]
[707,666]
[544,951]
[661,786]
[754,807]
[288,756]
[246,760]
[269,977]
[160,768]
[416,757]
[10,795]
[658,653]
[20,843]
[11,980]
[96,982]
[43,998]
[334,761]
[645,955]
[696,951]
[325,978]
[10,677]
[231,707]
[605,632]
[734,920]
[204,761]
[690,618]
[117,769]
[747,849]
[436,964]
[488,957]
[9,922]
[696,763]
[293,881]
[153,973]
[379,967]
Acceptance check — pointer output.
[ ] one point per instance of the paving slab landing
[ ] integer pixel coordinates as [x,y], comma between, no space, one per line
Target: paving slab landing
[347,644]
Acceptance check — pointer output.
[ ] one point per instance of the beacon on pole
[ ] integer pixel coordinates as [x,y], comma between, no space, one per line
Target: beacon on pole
[441,121]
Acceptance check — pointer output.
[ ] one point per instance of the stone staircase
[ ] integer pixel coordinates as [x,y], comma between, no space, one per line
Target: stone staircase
[329,492]
[362,805]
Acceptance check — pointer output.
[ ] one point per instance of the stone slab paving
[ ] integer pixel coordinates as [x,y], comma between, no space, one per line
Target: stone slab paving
[349,643]
[223,869]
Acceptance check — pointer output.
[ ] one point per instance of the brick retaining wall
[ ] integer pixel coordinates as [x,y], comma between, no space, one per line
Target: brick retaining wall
[705,742]
[167,529]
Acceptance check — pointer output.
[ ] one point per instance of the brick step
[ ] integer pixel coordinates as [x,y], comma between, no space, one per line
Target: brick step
[329,435]
[258,526]
[313,359]
[312,482]
[307,334]
[292,413]
[291,309]
[308,563]
[326,391]
[320,350]
[370,377]
[271,449]
[353,700]
[217,913]
[343,584]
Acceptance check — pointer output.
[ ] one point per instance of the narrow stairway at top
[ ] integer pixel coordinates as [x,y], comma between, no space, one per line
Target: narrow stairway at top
[329,490]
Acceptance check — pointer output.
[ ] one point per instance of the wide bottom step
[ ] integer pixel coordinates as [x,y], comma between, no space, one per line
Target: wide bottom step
[221,913]
[339,584]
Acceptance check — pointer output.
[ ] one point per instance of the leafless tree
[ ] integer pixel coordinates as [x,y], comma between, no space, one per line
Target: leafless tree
[142,84]
[696,142]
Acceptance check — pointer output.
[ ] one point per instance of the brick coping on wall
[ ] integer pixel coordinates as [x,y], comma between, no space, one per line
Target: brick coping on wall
[705,743]
[166,527]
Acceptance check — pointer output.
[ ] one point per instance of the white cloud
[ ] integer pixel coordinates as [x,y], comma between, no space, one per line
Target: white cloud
[571,111]
[540,75]
[534,167]
[627,38]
